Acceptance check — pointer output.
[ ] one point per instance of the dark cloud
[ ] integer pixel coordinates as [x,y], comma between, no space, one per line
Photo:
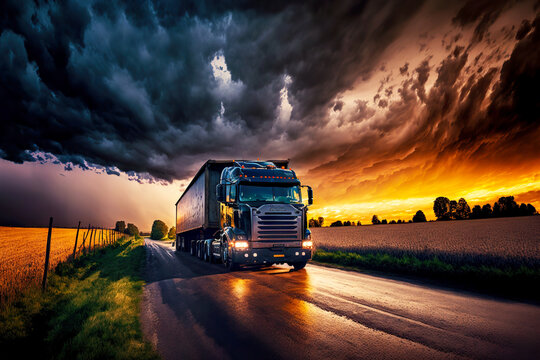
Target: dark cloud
[132,86]
[403,70]
[483,13]
[123,87]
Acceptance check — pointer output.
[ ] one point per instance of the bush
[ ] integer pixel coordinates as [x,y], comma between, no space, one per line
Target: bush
[120,226]
[132,230]
[419,217]
[172,232]
[159,230]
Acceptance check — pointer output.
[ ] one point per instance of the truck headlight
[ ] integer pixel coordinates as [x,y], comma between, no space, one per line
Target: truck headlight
[241,244]
[307,244]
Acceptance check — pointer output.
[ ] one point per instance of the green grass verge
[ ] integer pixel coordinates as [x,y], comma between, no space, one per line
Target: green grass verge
[90,310]
[520,282]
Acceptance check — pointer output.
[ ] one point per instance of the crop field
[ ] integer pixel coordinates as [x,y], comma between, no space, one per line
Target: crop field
[22,255]
[502,242]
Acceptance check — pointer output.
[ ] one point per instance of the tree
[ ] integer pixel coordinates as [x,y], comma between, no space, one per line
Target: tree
[508,207]
[375,220]
[172,232]
[419,217]
[496,210]
[531,209]
[321,221]
[159,230]
[486,211]
[313,223]
[441,208]
[523,210]
[132,230]
[336,223]
[393,222]
[384,221]
[463,211]
[358,223]
[476,212]
[347,223]
[120,226]
[453,208]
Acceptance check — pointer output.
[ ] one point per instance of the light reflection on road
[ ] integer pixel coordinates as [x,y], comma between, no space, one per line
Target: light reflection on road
[192,309]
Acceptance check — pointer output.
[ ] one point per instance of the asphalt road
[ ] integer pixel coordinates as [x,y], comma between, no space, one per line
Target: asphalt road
[195,310]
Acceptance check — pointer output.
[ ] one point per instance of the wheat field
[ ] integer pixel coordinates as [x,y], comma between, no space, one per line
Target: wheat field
[499,242]
[22,255]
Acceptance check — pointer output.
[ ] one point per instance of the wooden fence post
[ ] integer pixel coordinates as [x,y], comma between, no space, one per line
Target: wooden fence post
[87,250]
[76,237]
[47,252]
[85,236]
[94,247]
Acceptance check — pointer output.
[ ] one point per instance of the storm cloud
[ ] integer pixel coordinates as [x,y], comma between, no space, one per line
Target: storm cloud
[154,89]
[134,87]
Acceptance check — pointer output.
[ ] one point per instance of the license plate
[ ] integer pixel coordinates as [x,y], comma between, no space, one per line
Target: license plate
[279,255]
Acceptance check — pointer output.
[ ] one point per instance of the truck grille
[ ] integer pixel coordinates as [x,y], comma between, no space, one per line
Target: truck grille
[277,223]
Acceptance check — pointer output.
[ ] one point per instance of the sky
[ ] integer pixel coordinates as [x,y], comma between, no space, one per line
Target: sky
[110,107]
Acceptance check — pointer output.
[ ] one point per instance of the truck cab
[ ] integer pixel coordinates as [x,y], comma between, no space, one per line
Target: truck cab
[263,220]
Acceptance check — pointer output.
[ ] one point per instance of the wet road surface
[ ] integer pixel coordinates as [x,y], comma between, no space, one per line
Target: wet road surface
[195,310]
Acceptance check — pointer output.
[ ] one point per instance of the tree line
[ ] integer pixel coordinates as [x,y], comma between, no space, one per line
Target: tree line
[418,217]
[159,230]
[506,206]
[446,209]
[130,229]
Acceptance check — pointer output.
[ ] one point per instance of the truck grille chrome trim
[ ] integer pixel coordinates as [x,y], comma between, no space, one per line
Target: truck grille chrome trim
[276,223]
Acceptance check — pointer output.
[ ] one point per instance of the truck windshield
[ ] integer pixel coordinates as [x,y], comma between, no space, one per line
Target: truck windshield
[278,194]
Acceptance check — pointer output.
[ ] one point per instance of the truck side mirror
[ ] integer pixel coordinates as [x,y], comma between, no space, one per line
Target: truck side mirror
[220,196]
[310,195]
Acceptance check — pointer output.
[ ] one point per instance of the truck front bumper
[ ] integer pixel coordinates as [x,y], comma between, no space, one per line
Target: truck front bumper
[271,256]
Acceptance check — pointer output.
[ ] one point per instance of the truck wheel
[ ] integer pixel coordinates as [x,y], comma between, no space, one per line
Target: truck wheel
[206,258]
[300,265]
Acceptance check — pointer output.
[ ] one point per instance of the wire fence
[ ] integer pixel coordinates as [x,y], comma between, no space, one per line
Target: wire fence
[28,254]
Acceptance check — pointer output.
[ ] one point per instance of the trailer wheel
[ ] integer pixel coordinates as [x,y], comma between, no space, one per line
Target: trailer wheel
[299,265]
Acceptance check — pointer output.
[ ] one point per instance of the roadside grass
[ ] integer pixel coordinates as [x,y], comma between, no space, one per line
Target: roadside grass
[514,282]
[90,310]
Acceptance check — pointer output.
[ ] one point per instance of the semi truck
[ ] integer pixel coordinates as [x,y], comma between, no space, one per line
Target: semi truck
[245,212]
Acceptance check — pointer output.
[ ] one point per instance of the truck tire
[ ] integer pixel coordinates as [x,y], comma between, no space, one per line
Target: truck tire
[299,265]
[206,258]
[227,261]
[200,247]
